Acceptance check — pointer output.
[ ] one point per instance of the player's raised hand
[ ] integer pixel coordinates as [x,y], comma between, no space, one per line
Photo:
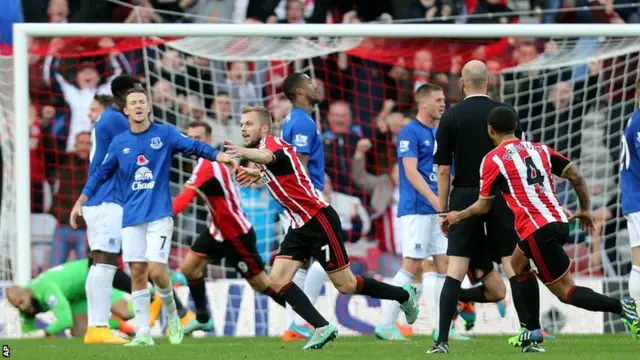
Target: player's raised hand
[227,160]
[233,150]
[363,145]
[586,220]
[247,176]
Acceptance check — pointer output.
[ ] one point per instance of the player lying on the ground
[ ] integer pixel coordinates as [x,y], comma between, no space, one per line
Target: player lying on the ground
[230,235]
[522,170]
[315,227]
[141,160]
[61,290]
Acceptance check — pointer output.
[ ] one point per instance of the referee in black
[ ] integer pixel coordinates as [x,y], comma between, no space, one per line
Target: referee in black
[463,140]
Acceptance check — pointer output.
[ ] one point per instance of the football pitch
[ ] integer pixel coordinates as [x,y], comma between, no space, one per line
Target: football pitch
[360,347]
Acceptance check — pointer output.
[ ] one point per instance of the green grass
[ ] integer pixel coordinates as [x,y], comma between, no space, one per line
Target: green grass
[351,348]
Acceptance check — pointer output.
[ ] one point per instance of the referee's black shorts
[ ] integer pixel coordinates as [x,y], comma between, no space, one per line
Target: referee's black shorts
[483,239]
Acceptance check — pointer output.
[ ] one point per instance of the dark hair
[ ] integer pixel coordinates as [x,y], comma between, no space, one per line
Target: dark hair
[222,93]
[291,83]
[503,120]
[426,90]
[198,123]
[121,85]
[104,100]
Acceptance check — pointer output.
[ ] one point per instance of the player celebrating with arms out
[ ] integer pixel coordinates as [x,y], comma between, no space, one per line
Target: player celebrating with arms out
[522,170]
[315,229]
[141,160]
[230,235]
[418,205]
[630,192]
[300,130]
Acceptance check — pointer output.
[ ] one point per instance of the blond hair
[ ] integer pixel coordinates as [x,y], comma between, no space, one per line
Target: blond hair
[263,114]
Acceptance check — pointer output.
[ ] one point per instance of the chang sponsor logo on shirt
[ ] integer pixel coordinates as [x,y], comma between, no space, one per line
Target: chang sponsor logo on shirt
[143,177]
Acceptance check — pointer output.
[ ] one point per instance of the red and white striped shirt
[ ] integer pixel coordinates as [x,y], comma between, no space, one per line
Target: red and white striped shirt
[288,182]
[215,185]
[522,170]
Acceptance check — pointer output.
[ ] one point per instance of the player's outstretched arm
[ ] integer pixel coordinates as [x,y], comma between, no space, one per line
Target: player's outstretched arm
[248,176]
[258,156]
[189,146]
[480,207]
[583,214]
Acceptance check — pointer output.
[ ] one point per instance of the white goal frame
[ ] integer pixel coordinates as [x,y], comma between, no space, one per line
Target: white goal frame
[21,32]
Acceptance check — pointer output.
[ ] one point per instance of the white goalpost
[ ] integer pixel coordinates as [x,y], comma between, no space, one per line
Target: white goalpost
[519,86]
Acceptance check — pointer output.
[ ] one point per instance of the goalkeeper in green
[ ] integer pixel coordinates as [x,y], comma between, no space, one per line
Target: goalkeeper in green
[61,290]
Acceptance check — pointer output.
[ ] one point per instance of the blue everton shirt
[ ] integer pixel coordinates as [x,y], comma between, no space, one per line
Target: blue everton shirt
[416,140]
[142,162]
[110,124]
[630,166]
[299,130]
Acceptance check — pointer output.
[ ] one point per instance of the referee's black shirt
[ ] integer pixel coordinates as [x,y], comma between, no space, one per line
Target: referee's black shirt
[463,137]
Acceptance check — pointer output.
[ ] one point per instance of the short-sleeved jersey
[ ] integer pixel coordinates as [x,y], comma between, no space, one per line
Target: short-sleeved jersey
[55,289]
[289,183]
[299,129]
[416,140]
[213,182]
[522,170]
[142,162]
[110,124]
[630,166]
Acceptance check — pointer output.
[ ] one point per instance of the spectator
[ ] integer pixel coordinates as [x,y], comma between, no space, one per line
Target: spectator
[353,216]
[171,11]
[72,175]
[164,96]
[80,95]
[383,204]
[224,125]
[191,109]
[171,69]
[340,140]
[42,159]
[242,90]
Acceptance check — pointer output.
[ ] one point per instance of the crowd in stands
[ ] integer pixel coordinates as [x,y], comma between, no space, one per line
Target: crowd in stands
[366,98]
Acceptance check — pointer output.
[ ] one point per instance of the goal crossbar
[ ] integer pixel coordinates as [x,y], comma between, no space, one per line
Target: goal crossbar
[21,33]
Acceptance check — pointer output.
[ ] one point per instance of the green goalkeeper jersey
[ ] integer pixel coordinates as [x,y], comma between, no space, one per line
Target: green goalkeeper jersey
[55,290]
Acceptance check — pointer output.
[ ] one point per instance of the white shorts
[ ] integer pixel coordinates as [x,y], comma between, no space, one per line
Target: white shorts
[633,224]
[421,236]
[104,227]
[148,241]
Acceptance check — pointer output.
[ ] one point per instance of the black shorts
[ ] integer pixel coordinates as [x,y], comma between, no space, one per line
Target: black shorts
[241,252]
[483,239]
[545,250]
[320,238]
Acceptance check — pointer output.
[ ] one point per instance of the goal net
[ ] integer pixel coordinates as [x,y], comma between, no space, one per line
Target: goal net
[573,94]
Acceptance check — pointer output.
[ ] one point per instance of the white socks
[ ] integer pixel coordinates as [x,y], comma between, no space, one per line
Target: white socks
[634,283]
[141,301]
[89,285]
[390,308]
[316,278]
[298,279]
[436,294]
[102,288]
[166,295]
[429,285]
